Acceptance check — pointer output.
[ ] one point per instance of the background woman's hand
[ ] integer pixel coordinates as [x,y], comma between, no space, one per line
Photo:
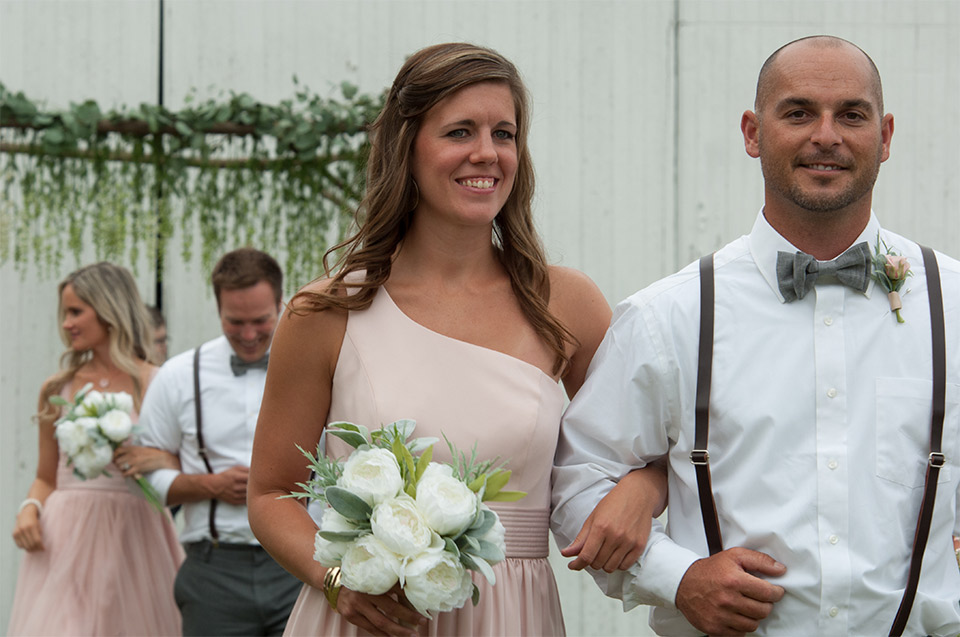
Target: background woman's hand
[134,461]
[387,614]
[27,533]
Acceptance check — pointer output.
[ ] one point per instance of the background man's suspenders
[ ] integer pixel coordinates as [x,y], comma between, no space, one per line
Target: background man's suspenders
[700,456]
[202,448]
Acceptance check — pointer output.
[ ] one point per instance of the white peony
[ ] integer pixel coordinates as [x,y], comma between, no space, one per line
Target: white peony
[399,524]
[495,535]
[116,425]
[436,581]
[447,503]
[123,401]
[91,461]
[324,551]
[93,401]
[369,567]
[72,436]
[372,475]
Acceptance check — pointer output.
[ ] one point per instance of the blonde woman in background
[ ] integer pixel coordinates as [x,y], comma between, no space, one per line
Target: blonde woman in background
[99,560]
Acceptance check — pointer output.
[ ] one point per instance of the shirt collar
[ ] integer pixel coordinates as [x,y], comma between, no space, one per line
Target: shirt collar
[765,242]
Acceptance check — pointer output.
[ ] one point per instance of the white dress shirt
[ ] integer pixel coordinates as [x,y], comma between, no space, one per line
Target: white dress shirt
[819,437]
[230,404]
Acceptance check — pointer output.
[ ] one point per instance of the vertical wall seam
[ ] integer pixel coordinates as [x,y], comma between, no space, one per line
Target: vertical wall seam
[676,136]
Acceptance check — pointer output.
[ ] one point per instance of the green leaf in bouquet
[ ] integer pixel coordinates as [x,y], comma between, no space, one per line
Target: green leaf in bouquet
[488,551]
[451,547]
[507,496]
[422,462]
[59,401]
[418,445]
[479,565]
[411,490]
[343,536]
[476,595]
[496,481]
[483,523]
[347,504]
[402,428]
[408,467]
[349,426]
[352,438]
[477,483]
[469,544]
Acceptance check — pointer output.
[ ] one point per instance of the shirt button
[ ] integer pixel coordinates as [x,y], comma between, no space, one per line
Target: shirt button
[834,539]
[834,611]
[832,392]
[833,464]
[828,321]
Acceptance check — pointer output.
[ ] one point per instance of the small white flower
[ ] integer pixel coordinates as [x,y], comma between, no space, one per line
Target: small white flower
[369,567]
[401,527]
[123,401]
[447,503]
[324,551]
[72,436]
[372,474]
[116,425]
[91,461]
[92,403]
[436,581]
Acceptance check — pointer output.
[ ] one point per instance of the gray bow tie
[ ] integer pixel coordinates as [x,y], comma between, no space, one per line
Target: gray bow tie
[240,366]
[797,273]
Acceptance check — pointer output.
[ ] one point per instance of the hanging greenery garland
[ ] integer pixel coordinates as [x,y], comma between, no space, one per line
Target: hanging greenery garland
[285,178]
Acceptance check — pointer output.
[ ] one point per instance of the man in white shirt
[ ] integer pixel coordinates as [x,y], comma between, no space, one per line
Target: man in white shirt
[228,584]
[820,408]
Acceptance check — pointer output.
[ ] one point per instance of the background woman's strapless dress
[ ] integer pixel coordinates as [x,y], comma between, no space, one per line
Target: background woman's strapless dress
[108,565]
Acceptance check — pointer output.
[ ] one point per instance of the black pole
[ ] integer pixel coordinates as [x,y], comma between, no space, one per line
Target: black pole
[158,273]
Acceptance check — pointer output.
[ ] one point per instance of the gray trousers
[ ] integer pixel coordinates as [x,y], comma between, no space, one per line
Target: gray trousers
[233,590]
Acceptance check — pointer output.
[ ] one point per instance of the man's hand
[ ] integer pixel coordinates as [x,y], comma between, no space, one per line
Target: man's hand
[230,486]
[720,596]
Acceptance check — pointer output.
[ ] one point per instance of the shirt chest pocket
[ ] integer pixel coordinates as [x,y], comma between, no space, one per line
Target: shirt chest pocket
[904,406]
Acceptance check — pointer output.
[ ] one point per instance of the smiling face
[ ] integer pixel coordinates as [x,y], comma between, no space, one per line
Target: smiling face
[248,317]
[80,322]
[465,155]
[819,131]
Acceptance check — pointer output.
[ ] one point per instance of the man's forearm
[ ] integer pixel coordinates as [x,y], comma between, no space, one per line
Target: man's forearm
[192,487]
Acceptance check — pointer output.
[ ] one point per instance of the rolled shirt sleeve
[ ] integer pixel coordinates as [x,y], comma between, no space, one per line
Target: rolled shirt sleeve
[620,420]
[160,426]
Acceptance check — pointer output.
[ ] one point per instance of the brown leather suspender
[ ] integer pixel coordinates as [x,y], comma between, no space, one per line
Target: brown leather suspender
[700,455]
[936,459]
[201,447]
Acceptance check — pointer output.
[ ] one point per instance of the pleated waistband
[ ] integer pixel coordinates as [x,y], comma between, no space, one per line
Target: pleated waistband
[526,531]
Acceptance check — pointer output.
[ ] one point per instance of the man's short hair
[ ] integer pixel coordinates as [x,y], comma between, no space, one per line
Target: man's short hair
[244,268]
[826,41]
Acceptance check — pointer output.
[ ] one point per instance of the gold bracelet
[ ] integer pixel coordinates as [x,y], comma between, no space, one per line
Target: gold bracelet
[331,586]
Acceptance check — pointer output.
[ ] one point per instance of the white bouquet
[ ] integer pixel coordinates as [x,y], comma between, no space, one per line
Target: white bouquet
[393,516]
[92,429]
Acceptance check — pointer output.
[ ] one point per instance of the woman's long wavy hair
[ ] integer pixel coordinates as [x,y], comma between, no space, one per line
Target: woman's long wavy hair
[384,216]
[112,293]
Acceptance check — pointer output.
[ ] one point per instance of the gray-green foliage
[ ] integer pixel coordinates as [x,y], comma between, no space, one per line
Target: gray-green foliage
[286,178]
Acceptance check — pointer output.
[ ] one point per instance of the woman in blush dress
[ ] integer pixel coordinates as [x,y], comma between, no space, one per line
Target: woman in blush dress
[443,310]
[99,559]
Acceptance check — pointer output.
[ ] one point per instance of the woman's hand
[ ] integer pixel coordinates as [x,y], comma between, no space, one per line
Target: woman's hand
[615,534]
[387,614]
[135,461]
[26,533]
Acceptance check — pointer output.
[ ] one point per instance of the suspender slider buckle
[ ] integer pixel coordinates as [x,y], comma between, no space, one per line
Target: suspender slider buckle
[700,457]
[937,459]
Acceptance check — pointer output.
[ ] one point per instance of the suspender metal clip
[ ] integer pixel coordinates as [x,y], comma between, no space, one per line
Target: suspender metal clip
[700,457]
